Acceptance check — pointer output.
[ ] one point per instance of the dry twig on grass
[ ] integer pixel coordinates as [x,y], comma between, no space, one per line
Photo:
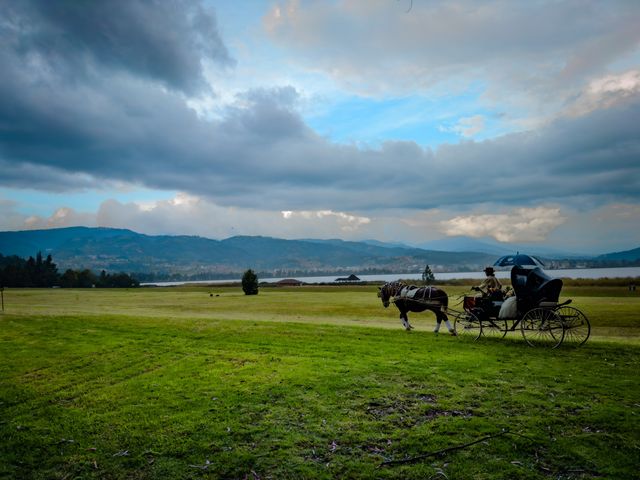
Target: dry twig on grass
[443,451]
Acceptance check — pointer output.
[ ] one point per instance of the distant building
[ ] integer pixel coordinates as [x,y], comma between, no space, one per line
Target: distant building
[350,278]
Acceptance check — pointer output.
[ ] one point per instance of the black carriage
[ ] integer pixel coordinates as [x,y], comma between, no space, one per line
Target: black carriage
[533,307]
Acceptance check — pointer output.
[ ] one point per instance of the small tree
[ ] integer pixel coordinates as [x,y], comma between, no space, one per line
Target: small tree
[250,283]
[427,276]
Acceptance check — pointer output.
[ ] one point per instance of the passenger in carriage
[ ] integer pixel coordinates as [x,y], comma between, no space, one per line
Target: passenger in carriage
[491,286]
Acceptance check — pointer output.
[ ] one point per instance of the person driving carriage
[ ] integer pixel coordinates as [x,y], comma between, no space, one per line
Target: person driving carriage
[491,286]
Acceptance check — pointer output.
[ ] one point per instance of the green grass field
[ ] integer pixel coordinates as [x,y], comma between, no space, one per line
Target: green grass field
[313,382]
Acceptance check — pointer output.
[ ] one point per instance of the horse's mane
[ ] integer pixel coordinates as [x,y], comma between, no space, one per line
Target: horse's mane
[393,287]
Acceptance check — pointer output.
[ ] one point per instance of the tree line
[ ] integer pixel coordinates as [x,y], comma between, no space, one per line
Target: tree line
[38,272]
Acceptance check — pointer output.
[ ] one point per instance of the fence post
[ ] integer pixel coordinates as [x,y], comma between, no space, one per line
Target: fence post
[2,296]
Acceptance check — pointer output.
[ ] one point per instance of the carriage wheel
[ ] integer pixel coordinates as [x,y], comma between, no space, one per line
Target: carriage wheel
[494,328]
[542,327]
[576,325]
[467,325]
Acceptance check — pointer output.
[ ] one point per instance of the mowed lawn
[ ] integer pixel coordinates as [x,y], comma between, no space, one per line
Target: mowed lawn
[313,382]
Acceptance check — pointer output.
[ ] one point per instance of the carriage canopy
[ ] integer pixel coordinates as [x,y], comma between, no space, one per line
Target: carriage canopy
[520,260]
[533,285]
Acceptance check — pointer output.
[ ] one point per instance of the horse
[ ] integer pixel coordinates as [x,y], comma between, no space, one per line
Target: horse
[409,298]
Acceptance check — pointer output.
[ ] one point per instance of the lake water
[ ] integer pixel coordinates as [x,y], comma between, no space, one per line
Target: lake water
[621,272]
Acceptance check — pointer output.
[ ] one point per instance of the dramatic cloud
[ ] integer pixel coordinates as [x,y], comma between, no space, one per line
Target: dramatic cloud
[11,218]
[261,152]
[162,41]
[348,223]
[62,217]
[197,216]
[191,215]
[538,53]
[470,126]
[607,91]
[94,94]
[520,225]
[586,231]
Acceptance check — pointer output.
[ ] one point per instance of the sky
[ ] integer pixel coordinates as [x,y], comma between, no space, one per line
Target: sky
[396,120]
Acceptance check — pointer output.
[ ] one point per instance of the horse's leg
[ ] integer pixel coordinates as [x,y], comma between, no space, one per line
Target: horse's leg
[405,320]
[447,323]
[440,316]
[438,321]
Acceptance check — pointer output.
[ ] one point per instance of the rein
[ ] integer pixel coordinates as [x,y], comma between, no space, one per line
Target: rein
[460,299]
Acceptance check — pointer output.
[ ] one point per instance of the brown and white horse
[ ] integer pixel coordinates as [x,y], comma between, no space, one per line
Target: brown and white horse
[409,298]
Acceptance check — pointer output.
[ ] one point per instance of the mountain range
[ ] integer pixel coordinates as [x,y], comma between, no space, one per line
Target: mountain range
[628,255]
[488,245]
[163,256]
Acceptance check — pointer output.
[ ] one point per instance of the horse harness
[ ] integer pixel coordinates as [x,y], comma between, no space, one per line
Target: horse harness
[416,294]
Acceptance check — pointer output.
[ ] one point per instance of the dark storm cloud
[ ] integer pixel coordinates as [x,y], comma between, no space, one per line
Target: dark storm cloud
[63,129]
[594,155]
[263,153]
[161,40]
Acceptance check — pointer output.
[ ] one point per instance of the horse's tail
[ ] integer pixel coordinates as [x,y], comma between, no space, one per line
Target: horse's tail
[445,302]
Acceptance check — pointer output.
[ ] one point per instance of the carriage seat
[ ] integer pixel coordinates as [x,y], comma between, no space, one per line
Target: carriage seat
[534,288]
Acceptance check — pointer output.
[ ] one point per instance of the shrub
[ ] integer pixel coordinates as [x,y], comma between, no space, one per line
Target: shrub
[250,283]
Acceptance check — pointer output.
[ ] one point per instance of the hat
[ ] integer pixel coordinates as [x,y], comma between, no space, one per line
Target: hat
[489,270]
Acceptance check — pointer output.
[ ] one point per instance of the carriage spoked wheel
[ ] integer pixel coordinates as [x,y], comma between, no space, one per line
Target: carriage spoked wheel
[494,328]
[467,325]
[542,327]
[576,326]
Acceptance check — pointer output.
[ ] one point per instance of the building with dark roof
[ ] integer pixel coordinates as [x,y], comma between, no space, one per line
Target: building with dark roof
[350,278]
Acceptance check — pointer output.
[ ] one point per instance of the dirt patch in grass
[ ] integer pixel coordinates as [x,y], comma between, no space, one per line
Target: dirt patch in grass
[410,409]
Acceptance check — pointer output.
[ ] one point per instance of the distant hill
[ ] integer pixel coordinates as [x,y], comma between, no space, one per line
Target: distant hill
[466,244]
[191,257]
[627,255]
[28,242]
[393,244]
[493,247]
[125,250]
